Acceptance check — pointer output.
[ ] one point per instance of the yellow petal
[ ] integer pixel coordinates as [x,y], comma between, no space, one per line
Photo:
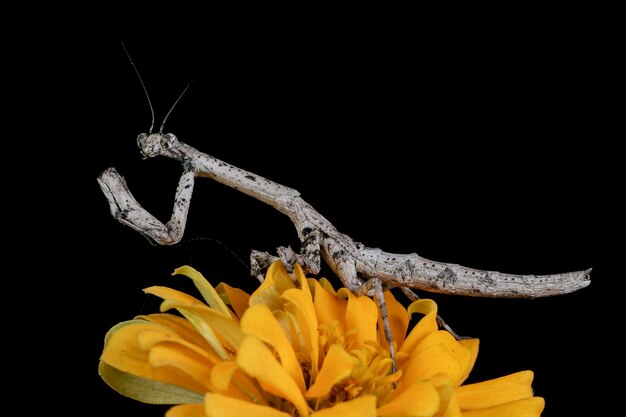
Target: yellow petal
[222,374]
[225,326]
[448,405]
[146,390]
[184,303]
[121,325]
[268,292]
[361,315]
[398,321]
[206,331]
[327,285]
[186,410]
[260,322]
[124,353]
[302,281]
[338,365]
[344,293]
[226,376]
[180,326]
[501,390]
[328,307]
[180,357]
[364,406]
[420,399]
[472,347]
[285,320]
[237,298]
[283,280]
[427,325]
[456,351]
[256,360]
[528,407]
[170,294]
[435,359]
[209,294]
[200,325]
[301,306]
[148,339]
[216,405]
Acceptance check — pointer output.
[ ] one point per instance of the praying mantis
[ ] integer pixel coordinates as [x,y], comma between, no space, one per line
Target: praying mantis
[362,269]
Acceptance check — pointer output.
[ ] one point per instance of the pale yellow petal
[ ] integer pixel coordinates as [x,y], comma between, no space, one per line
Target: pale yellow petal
[185,303]
[260,322]
[420,399]
[362,316]
[237,298]
[186,410]
[144,389]
[209,294]
[528,407]
[206,331]
[337,365]
[301,306]
[501,390]
[216,405]
[364,406]
[256,360]
[427,324]
[124,353]
[283,318]
[398,321]
[200,324]
[225,326]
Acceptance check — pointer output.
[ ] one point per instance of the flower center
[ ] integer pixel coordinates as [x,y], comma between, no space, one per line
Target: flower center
[370,376]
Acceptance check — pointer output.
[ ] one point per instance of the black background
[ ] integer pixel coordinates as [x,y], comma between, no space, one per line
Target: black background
[481,148]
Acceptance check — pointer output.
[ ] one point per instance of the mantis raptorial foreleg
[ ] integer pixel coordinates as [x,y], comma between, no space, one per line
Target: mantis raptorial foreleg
[128,211]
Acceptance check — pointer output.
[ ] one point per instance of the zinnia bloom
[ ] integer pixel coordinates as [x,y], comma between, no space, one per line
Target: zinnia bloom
[300,349]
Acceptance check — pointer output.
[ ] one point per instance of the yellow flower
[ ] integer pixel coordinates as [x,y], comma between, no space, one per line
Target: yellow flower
[300,349]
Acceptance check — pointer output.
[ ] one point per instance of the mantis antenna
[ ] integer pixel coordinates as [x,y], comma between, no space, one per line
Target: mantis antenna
[145,90]
[174,105]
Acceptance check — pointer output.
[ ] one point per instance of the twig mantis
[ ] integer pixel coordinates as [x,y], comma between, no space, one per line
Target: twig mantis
[363,270]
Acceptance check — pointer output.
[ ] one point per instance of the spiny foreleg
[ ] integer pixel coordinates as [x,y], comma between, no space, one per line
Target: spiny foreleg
[129,212]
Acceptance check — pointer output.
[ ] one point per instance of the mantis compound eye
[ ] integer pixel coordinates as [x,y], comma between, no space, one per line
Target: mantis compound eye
[141,140]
